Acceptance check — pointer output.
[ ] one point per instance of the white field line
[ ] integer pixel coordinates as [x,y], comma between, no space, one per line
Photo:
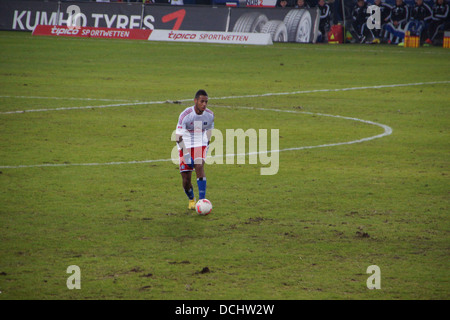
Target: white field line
[62,98]
[86,107]
[387,131]
[82,164]
[231,97]
[333,90]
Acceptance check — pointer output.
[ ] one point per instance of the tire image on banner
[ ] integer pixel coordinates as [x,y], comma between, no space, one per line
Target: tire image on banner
[294,25]
[250,22]
[298,24]
[277,29]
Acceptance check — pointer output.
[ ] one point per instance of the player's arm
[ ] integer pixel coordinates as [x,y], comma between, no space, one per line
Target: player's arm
[208,135]
[429,11]
[181,127]
[209,131]
[186,154]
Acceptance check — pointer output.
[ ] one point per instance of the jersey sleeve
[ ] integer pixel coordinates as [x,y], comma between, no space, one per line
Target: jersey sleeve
[181,125]
[211,125]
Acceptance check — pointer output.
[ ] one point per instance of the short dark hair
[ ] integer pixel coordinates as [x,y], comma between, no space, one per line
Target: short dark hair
[200,92]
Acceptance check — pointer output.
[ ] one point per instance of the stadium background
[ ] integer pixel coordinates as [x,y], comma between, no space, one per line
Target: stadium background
[80,184]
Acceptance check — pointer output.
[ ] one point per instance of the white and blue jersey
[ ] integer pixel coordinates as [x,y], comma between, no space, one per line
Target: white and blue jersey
[193,127]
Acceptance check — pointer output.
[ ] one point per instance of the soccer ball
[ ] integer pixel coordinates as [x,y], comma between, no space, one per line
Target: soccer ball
[203,207]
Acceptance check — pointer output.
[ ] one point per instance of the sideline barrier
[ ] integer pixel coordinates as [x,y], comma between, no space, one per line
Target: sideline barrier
[155,35]
[90,32]
[284,25]
[411,41]
[446,43]
[211,37]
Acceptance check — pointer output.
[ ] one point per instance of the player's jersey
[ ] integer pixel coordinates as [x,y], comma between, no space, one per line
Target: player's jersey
[325,13]
[192,127]
[422,12]
[385,12]
[400,13]
[440,12]
[359,14]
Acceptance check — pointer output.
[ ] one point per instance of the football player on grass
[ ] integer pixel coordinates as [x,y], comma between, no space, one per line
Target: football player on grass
[193,135]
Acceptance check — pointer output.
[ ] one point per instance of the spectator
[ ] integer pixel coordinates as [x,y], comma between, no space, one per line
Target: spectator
[301,4]
[341,10]
[283,4]
[359,19]
[396,27]
[420,15]
[337,12]
[325,19]
[176,2]
[439,21]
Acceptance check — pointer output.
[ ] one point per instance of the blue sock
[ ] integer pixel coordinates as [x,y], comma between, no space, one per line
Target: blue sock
[201,183]
[190,193]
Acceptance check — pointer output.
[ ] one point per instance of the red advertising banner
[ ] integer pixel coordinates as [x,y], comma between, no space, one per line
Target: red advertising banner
[91,32]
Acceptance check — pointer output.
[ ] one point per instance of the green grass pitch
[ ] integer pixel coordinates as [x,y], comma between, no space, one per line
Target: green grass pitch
[308,232]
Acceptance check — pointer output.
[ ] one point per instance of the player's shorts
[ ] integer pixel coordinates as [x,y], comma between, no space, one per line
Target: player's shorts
[196,153]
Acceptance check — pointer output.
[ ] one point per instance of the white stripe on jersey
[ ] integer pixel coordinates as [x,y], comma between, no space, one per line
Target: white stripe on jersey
[192,127]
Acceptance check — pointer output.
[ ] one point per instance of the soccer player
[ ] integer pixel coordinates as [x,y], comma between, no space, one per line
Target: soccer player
[193,134]
[440,20]
[359,19]
[421,14]
[325,18]
[399,18]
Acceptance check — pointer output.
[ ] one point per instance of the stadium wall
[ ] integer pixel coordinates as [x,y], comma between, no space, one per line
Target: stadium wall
[285,25]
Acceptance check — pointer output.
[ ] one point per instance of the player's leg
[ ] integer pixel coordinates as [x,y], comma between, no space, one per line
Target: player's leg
[437,29]
[390,31]
[187,184]
[355,31]
[421,30]
[432,31]
[188,189]
[186,176]
[362,31]
[399,34]
[411,26]
[201,179]
[199,167]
